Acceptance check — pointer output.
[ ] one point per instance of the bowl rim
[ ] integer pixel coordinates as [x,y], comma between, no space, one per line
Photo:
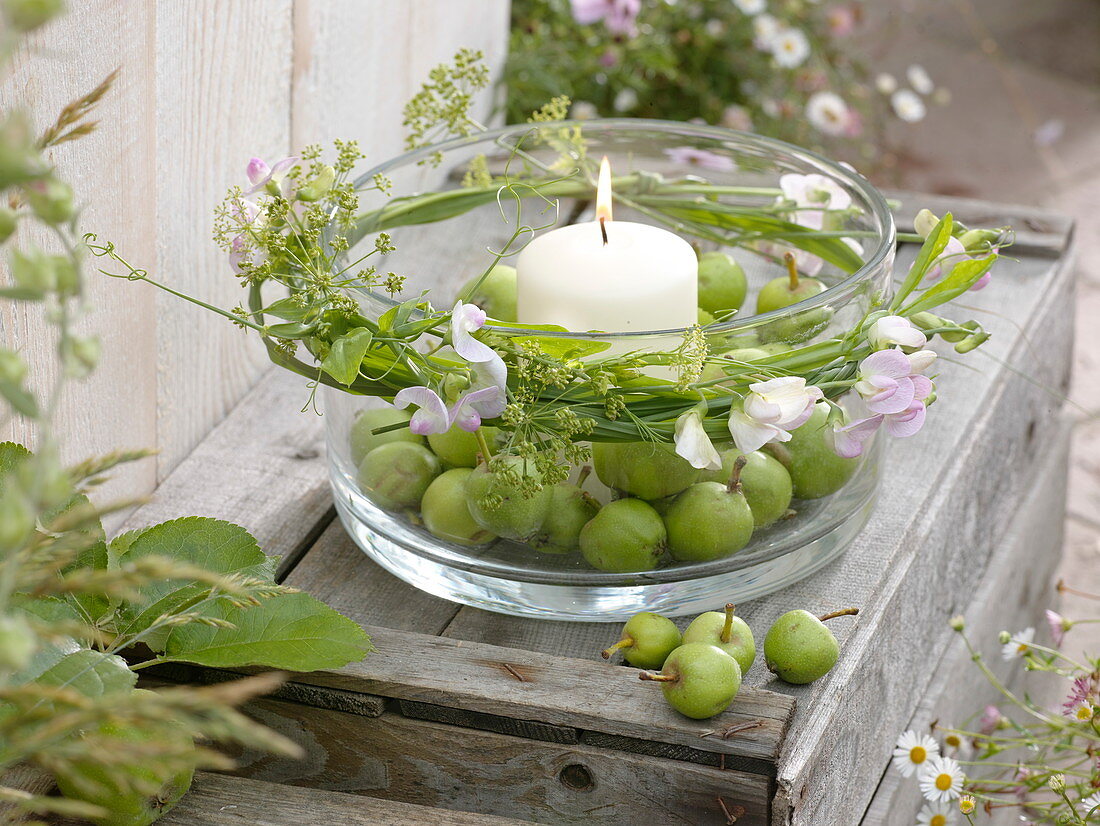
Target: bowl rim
[880,211]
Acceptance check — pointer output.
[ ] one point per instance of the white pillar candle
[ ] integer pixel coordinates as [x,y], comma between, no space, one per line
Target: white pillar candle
[642,278]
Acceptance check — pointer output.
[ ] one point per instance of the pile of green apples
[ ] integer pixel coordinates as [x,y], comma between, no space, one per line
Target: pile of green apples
[700,671]
[661,509]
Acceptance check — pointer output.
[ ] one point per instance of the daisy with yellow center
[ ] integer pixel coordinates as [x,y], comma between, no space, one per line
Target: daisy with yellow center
[913,751]
[966,804]
[1083,711]
[941,780]
[1018,644]
[933,816]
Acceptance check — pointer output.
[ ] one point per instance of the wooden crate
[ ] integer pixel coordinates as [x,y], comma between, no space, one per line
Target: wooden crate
[480,712]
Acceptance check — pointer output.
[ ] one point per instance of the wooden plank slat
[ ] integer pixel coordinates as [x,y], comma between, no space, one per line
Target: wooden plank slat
[218,800]
[1020,575]
[526,685]
[429,763]
[263,468]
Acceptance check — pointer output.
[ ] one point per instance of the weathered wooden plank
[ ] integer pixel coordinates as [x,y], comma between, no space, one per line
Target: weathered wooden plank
[429,763]
[116,406]
[218,800]
[263,467]
[217,105]
[1016,589]
[378,598]
[1038,231]
[23,778]
[921,557]
[526,685]
[341,45]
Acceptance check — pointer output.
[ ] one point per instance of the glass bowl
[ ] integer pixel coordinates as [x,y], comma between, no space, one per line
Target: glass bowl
[440,257]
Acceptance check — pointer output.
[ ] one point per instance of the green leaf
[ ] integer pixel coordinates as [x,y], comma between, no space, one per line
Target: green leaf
[960,279]
[91,673]
[21,400]
[288,309]
[933,245]
[12,455]
[565,348]
[291,631]
[346,355]
[208,543]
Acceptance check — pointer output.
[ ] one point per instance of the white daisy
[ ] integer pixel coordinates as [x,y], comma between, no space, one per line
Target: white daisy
[919,79]
[934,816]
[1018,644]
[913,751]
[886,83]
[626,99]
[764,29]
[1088,804]
[1083,711]
[751,6]
[941,780]
[790,48]
[828,113]
[908,106]
[584,110]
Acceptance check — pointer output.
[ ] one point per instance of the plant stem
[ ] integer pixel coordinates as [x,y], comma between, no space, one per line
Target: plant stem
[844,612]
[727,629]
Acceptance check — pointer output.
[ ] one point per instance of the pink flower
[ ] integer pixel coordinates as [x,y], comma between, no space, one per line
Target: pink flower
[609,58]
[890,383]
[432,415]
[260,174]
[842,20]
[617,15]
[847,439]
[813,195]
[690,156]
[1078,694]
[465,320]
[772,409]
[894,329]
[991,720]
[1058,625]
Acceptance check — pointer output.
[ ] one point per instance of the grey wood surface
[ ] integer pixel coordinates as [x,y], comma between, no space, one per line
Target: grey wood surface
[1018,586]
[397,758]
[945,500]
[217,800]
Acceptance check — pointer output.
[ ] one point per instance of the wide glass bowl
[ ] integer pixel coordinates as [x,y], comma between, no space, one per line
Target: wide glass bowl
[440,257]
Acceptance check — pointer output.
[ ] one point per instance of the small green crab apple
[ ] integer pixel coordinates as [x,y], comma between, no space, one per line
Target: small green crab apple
[648,470]
[445,512]
[813,464]
[460,448]
[506,497]
[496,294]
[764,481]
[397,474]
[626,535]
[363,439]
[727,631]
[646,641]
[722,284]
[698,680]
[786,291]
[570,509]
[709,520]
[799,648]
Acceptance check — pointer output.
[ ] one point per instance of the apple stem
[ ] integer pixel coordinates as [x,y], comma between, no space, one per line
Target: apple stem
[734,485]
[658,678]
[792,270]
[625,642]
[483,445]
[586,471]
[727,629]
[845,612]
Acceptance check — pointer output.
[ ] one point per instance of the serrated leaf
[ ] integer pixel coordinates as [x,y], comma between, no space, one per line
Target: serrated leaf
[91,673]
[212,544]
[290,631]
[12,455]
[346,355]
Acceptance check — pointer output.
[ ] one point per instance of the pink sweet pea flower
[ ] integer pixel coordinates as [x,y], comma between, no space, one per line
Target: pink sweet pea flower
[618,15]
[260,174]
[894,329]
[772,409]
[991,720]
[693,443]
[890,381]
[432,415]
[701,158]
[847,438]
[465,319]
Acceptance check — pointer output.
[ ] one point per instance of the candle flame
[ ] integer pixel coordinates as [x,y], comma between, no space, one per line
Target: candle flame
[603,192]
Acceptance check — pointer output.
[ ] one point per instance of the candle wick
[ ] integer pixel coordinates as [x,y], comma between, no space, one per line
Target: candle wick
[603,229]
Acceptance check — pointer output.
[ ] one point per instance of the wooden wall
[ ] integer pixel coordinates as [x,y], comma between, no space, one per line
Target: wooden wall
[205,85]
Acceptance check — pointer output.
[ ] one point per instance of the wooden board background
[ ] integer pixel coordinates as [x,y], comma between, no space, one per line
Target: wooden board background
[205,85]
